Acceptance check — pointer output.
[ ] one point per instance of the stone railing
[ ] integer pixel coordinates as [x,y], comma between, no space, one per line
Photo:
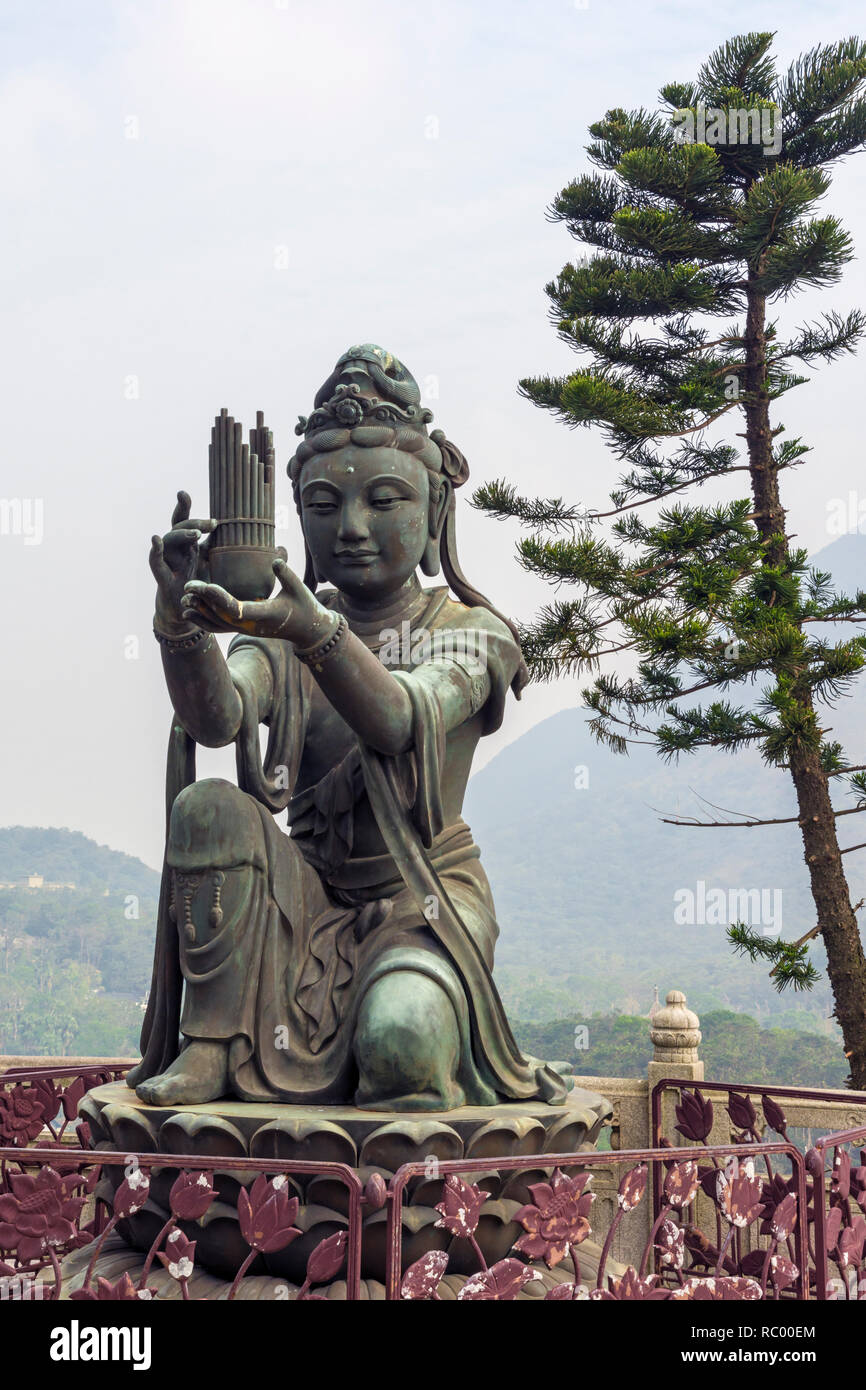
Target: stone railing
[11,1063]
[779,1133]
[675,1033]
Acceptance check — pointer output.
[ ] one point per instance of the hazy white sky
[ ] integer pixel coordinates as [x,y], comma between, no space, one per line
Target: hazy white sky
[206,202]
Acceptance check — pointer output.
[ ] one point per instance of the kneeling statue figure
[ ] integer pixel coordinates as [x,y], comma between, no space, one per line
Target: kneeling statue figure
[348,961]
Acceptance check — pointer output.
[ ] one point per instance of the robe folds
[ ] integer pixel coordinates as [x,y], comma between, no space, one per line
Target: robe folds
[313,925]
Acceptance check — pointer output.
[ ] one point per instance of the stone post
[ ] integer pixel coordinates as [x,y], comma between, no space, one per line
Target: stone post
[675,1032]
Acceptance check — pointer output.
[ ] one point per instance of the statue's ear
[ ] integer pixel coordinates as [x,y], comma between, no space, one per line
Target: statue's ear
[311,577]
[438,511]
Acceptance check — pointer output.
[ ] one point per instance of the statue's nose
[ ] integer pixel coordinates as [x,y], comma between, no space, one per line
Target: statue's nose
[352,524]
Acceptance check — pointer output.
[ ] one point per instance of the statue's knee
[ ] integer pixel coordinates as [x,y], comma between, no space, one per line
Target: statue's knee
[214,816]
[407,1040]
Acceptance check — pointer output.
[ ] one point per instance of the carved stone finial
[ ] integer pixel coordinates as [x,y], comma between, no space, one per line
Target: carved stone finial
[675,1030]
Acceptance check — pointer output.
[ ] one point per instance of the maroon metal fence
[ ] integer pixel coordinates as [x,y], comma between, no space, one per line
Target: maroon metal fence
[752,1218]
[40,1217]
[836,1207]
[556,1223]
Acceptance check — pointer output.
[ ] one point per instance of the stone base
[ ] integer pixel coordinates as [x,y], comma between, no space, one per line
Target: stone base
[115,1258]
[367,1141]
[341,1133]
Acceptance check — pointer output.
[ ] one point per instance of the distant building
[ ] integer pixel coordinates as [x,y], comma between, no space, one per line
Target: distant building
[36,883]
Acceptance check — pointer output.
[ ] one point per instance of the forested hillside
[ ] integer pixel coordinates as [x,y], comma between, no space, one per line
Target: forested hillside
[734,1048]
[74,963]
[585,875]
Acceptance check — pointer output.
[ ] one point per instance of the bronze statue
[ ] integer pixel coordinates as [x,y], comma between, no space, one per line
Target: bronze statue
[349,961]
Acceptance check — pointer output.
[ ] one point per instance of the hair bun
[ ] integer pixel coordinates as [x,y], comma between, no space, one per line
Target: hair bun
[454,463]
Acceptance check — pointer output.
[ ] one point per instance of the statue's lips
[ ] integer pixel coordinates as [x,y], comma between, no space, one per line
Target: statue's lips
[356,557]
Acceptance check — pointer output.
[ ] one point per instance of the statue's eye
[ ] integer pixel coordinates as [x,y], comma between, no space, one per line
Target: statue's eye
[385,501]
[322,504]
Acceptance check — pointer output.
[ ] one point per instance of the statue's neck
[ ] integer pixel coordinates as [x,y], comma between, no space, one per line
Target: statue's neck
[405,602]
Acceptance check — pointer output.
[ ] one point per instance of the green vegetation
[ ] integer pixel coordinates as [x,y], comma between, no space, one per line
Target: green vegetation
[584,871]
[700,231]
[74,963]
[734,1048]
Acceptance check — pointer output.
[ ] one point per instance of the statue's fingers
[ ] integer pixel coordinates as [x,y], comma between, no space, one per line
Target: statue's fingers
[209,623]
[159,569]
[181,511]
[183,535]
[206,523]
[287,579]
[194,608]
[258,611]
[224,604]
[182,543]
[196,612]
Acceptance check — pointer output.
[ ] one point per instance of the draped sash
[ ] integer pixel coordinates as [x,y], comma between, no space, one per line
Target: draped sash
[405,796]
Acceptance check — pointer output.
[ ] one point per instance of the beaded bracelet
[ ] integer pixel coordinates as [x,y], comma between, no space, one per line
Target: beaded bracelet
[314,656]
[181,644]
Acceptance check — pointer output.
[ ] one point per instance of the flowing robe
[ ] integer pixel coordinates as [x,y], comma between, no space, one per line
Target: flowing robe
[312,924]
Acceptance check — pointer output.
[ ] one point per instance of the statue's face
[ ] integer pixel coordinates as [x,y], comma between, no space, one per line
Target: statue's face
[365,514]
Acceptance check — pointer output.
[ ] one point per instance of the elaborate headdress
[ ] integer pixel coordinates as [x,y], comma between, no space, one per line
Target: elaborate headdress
[370,399]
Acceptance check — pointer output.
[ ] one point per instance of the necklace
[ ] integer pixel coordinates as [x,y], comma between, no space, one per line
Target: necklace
[421,604]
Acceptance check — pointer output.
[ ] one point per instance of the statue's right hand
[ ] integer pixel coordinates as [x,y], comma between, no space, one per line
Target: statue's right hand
[175,558]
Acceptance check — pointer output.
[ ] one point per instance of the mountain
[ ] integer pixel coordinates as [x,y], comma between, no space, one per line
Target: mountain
[598,900]
[67,856]
[74,964]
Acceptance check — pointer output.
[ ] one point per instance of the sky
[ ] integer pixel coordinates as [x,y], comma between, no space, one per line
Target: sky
[205,203]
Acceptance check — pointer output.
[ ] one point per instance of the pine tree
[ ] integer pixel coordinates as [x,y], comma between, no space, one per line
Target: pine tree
[701,229]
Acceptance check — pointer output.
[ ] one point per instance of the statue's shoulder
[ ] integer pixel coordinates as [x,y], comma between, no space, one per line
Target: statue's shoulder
[453,613]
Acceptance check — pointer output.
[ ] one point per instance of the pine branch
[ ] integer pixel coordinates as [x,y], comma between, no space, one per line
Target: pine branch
[621,131]
[500,500]
[821,81]
[837,336]
[791,963]
[742,62]
[813,253]
[750,824]
[828,140]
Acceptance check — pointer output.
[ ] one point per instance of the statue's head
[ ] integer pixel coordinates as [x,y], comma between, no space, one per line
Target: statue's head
[374,489]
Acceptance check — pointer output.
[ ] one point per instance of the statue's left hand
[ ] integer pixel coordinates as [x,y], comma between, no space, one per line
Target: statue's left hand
[293,613]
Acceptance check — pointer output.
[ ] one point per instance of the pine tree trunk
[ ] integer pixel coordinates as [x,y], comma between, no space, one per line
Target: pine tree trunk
[846,963]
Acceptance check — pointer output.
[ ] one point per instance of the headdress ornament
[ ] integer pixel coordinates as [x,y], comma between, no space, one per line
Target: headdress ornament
[372,399]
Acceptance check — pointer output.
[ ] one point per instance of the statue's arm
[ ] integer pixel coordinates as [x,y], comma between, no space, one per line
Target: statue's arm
[203,693]
[367,696]
[198,677]
[355,682]
[377,705]
[352,679]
